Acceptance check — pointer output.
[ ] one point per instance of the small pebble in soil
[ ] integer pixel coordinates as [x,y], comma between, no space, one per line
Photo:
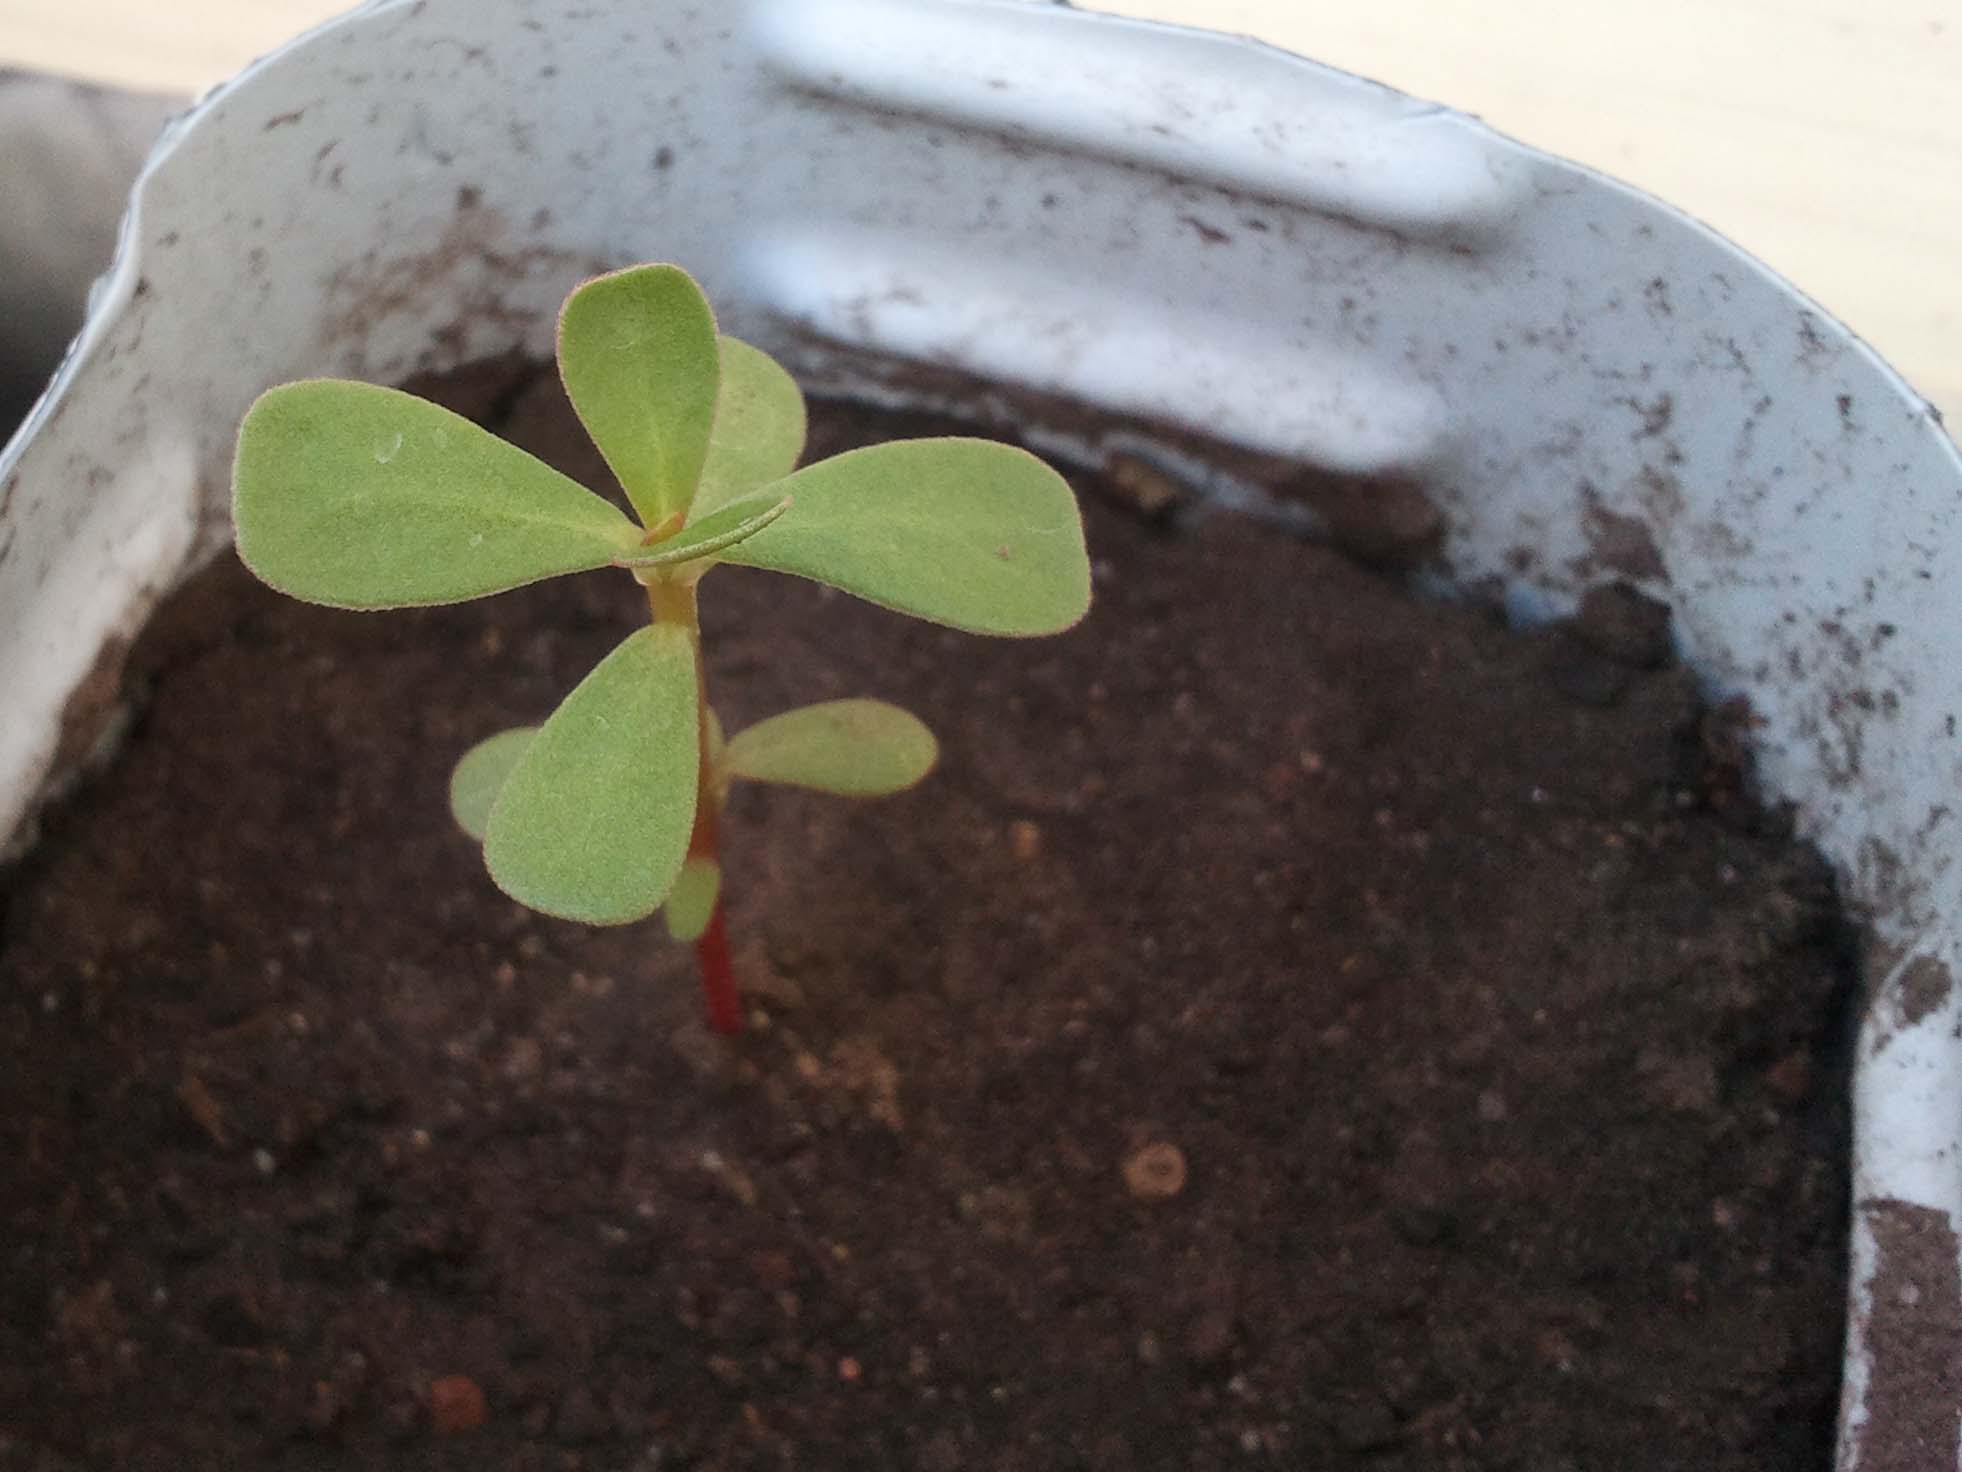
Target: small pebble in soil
[1156,1172]
[732,1179]
[1024,840]
[457,1405]
[523,1059]
[1141,487]
[1384,524]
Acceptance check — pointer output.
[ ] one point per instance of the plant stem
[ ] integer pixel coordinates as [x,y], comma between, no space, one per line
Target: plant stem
[674,602]
[725,1013]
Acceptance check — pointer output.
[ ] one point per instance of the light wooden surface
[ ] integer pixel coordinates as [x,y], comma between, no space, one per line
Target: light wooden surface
[1823,135]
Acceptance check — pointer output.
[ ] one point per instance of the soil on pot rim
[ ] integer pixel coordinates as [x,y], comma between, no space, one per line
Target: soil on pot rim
[1296,1025]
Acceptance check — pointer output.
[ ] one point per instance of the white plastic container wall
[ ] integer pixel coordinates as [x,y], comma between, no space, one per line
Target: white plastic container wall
[1190,229]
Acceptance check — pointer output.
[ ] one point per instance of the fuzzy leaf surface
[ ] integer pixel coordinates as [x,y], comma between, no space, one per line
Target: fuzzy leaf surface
[732,524]
[637,353]
[593,822]
[759,428]
[363,497]
[691,903]
[969,533]
[480,775]
[855,748]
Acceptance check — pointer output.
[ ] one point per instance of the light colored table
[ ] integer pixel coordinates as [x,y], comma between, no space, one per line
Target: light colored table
[1823,135]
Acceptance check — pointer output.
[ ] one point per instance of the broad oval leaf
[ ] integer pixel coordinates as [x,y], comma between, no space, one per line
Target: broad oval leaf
[480,776]
[855,748]
[364,497]
[637,353]
[691,903]
[970,533]
[594,820]
[759,428]
[732,524]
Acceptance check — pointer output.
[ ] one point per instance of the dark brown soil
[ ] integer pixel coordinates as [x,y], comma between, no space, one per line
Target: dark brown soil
[1499,1040]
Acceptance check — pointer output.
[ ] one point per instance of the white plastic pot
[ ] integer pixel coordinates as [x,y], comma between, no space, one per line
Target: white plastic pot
[1185,229]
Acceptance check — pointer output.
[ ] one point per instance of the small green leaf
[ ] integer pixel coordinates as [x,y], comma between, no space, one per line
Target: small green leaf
[970,533]
[691,903]
[855,748]
[759,428]
[732,524]
[638,356]
[594,820]
[480,776]
[364,497]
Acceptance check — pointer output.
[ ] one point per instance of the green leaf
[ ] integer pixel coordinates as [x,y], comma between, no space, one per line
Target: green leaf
[637,353]
[364,497]
[480,776]
[732,524]
[691,903]
[759,428]
[978,535]
[593,822]
[855,748]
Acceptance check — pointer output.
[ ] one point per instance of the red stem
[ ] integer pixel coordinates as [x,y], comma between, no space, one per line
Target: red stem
[675,603]
[725,1013]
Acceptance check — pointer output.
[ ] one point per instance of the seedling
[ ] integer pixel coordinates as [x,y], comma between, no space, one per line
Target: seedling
[362,497]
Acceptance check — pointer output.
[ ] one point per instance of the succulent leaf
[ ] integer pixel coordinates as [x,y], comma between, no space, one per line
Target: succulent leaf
[691,903]
[759,428]
[480,775]
[637,353]
[363,497]
[594,821]
[855,748]
[970,533]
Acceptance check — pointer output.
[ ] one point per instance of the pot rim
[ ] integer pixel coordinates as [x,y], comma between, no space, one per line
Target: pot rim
[1262,192]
